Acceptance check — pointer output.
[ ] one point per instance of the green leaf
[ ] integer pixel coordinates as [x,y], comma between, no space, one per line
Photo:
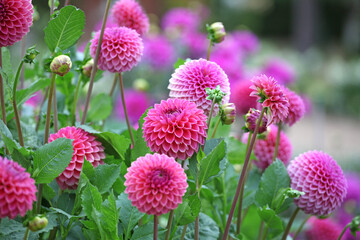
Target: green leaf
[98,175]
[48,192]
[51,159]
[11,229]
[179,62]
[236,151]
[114,144]
[100,108]
[110,217]
[65,29]
[24,94]
[282,195]
[271,219]
[188,210]
[91,200]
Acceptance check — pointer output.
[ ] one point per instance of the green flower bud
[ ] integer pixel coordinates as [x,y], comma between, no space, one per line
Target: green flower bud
[141,84]
[37,223]
[228,113]
[217,32]
[61,65]
[87,68]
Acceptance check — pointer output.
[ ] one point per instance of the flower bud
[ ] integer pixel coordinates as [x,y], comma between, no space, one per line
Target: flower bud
[37,223]
[36,15]
[217,32]
[87,68]
[61,65]
[228,113]
[251,119]
[141,84]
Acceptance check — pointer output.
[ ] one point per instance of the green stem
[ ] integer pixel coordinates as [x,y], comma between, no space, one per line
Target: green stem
[52,233]
[224,200]
[125,110]
[16,112]
[183,232]
[343,231]
[261,230]
[51,7]
[73,110]
[2,98]
[96,59]
[242,177]
[170,220]
[67,2]
[301,227]
[41,106]
[155,227]
[276,150]
[48,111]
[210,115]
[209,50]
[265,233]
[26,233]
[287,230]
[110,94]
[55,112]
[216,126]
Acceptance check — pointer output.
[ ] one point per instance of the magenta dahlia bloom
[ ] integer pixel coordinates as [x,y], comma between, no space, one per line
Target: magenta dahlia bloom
[322,229]
[252,118]
[159,52]
[17,189]
[121,49]
[175,127]
[180,19]
[35,100]
[110,23]
[247,41]
[240,95]
[16,17]
[264,148]
[155,184]
[196,43]
[281,70]
[85,146]
[129,13]
[190,80]
[321,179]
[296,107]
[270,95]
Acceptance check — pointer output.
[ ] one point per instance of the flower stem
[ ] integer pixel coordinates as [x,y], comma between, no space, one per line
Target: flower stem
[242,176]
[171,216]
[16,112]
[287,230]
[51,7]
[343,231]
[41,106]
[276,150]
[155,227]
[94,69]
[210,115]
[113,85]
[2,98]
[301,227]
[261,230]
[216,126]
[67,2]
[209,50]
[125,110]
[183,232]
[48,112]
[26,233]
[265,233]
[73,110]
[55,112]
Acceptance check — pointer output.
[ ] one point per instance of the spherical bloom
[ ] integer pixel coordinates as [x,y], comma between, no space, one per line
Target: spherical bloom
[37,223]
[281,70]
[15,20]
[158,52]
[17,189]
[175,127]
[155,184]
[180,19]
[85,146]
[247,41]
[271,95]
[240,95]
[217,32]
[129,13]
[251,119]
[121,49]
[228,113]
[296,107]
[321,179]
[322,229]
[190,80]
[264,148]
[61,65]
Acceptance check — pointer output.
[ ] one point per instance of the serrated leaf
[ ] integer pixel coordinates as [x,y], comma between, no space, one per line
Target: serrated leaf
[236,151]
[100,108]
[11,229]
[51,159]
[188,210]
[101,172]
[110,217]
[65,29]
[91,200]
[114,144]
[271,219]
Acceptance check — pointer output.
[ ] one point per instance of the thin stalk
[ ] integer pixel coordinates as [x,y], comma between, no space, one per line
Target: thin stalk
[155,227]
[276,150]
[67,2]
[16,112]
[41,106]
[170,220]
[209,50]
[210,115]
[261,230]
[52,233]
[73,110]
[301,227]
[343,231]
[125,110]
[224,199]
[39,198]
[22,53]
[265,232]
[216,126]
[287,230]
[242,176]
[113,85]
[51,7]
[2,98]
[48,112]
[94,69]
[183,232]
[55,112]
[26,233]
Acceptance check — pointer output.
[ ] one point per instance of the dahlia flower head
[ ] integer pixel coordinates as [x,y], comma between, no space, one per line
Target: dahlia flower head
[322,229]
[175,127]
[281,70]
[246,41]
[158,52]
[240,96]
[321,179]
[252,118]
[85,147]
[264,148]
[353,192]
[195,43]
[121,49]
[155,184]
[180,19]
[296,107]
[190,80]
[129,13]
[17,189]
[270,95]
[110,23]
[16,17]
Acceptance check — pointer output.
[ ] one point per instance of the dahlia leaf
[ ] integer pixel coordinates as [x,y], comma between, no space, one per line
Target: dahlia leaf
[51,159]
[273,221]
[114,144]
[65,29]
[110,217]
[100,108]
[104,171]
[179,62]
[91,200]
[236,151]
[145,232]
[11,144]
[188,210]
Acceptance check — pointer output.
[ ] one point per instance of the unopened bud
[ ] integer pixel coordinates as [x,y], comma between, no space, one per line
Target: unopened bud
[87,68]
[217,32]
[36,15]
[61,65]
[251,119]
[141,84]
[228,113]
[38,223]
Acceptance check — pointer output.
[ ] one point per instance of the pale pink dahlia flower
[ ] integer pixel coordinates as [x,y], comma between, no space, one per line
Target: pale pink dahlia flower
[271,96]
[264,148]
[121,49]
[155,184]
[240,95]
[322,229]
[16,17]
[85,146]
[190,80]
[281,70]
[129,13]
[17,189]
[321,179]
[296,107]
[175,127]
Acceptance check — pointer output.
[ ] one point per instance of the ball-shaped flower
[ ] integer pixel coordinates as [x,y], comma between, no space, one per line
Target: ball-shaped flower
[252,118]
[281,70]
[158,52]
[15,20]
[296,107]
[190,80]
[155,184]
[321,179]
[271,96]
[180,19]
[85,146]
[322,229]
[17,189]
[175,127]
[121,49]
[129,13]
[240,95]
[264,148]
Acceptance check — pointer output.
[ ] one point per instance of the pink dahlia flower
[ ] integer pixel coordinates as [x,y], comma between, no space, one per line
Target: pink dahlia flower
[155,184]
[281,70]
[196,43]
[240,95]
[180,19]
[110,23]
[16,17]
[321,179]
[271,96]
[247,41]
[129,13]
[85,146]
[17,189]
[252,118]
[322,229]
[35,100]
[159,52]
[190,80]
[296,107]
[264,148]
[121,49]
[175,127]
